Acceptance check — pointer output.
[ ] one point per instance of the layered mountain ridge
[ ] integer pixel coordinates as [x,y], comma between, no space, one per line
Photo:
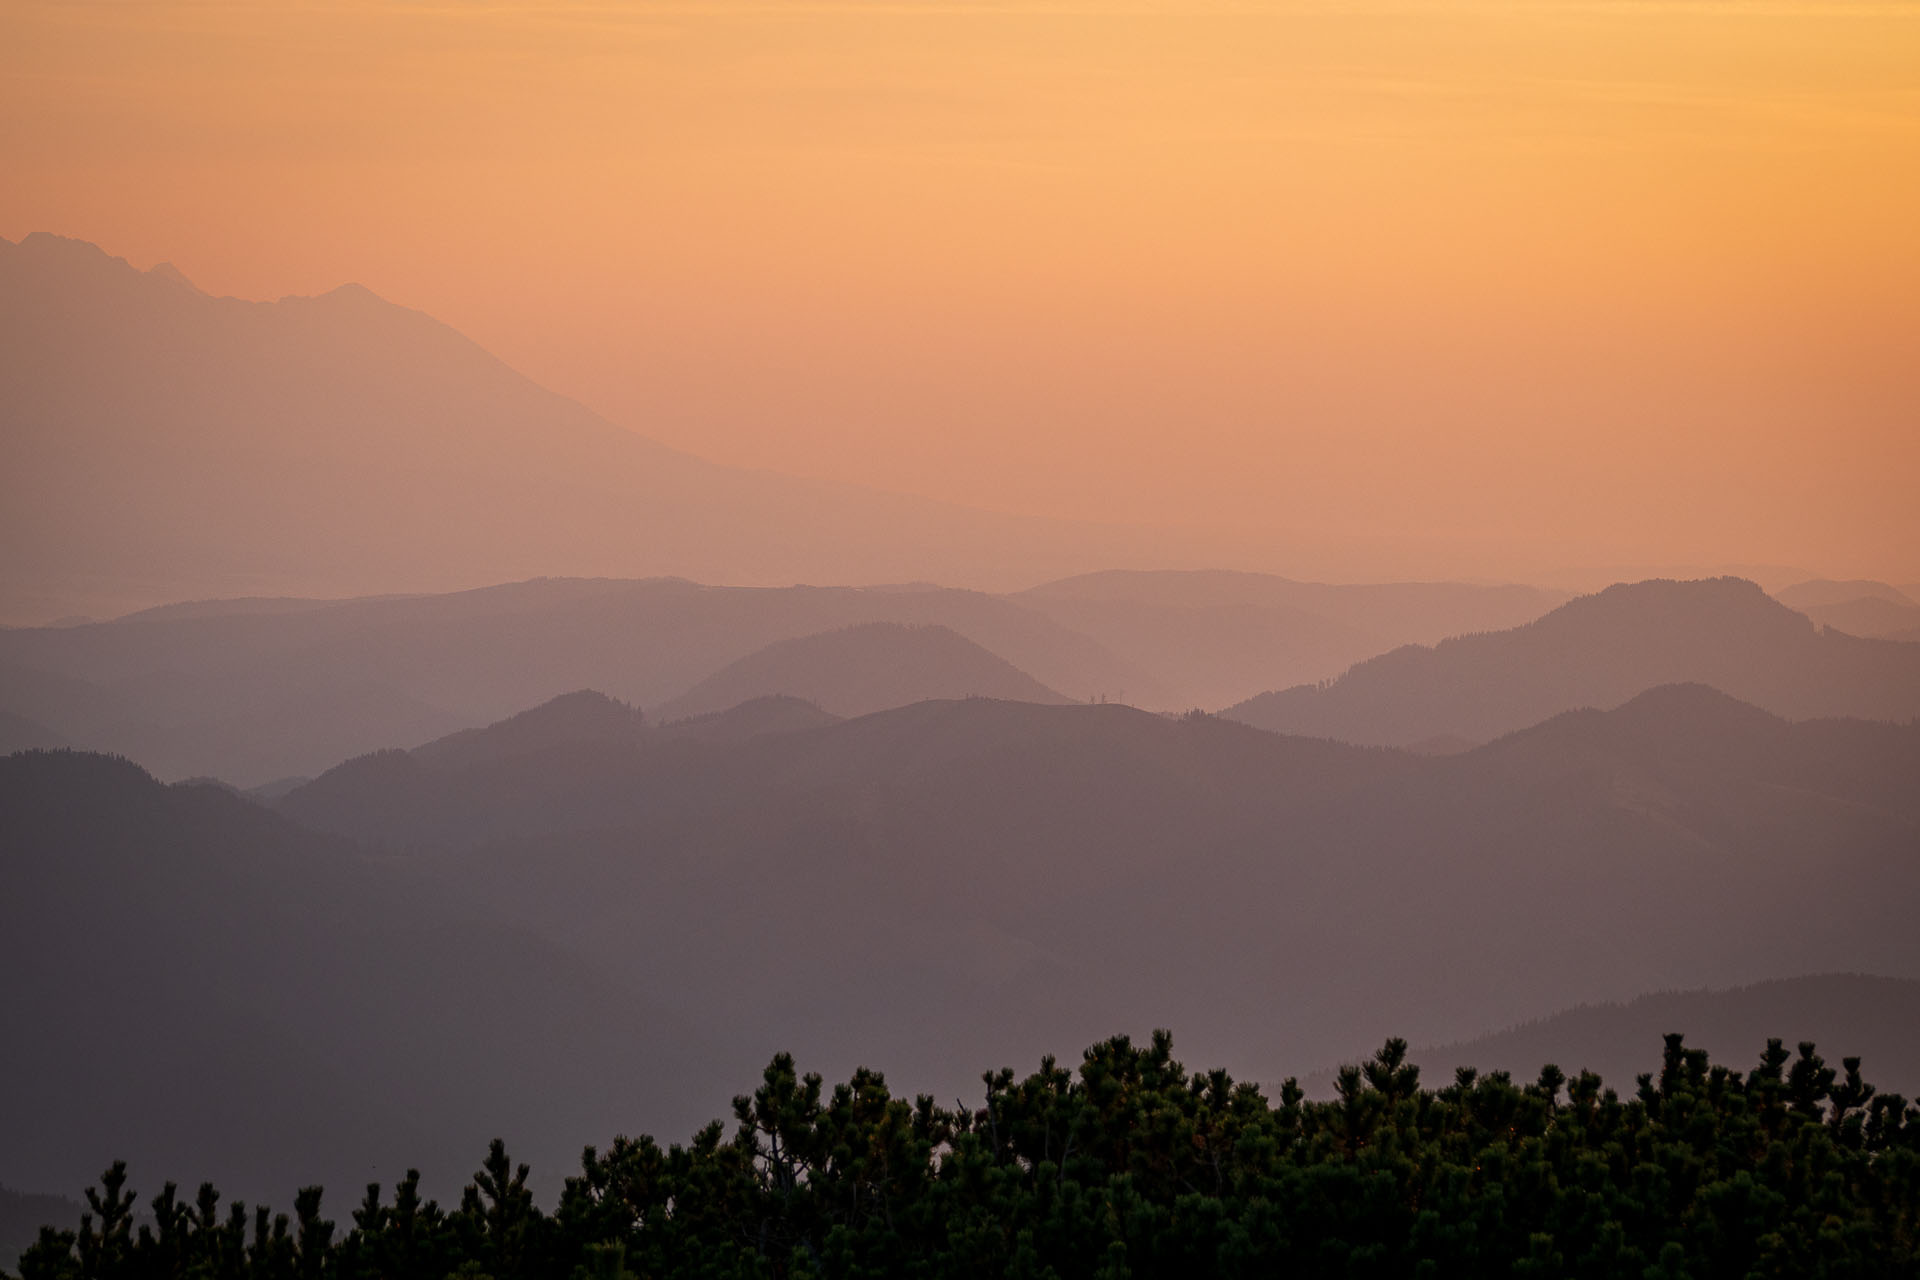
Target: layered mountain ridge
[1599,651]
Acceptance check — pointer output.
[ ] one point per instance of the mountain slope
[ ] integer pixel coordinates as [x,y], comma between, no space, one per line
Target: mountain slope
[860,669]
[884,888]
[1599,651]
[586,716]
[164,445]
[260,1001]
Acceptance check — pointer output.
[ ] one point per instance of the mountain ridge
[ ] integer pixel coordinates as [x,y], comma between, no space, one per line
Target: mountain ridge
[1601,650]
[862,668]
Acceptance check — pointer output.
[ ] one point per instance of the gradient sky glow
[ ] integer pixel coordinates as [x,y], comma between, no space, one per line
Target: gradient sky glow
[1477,288]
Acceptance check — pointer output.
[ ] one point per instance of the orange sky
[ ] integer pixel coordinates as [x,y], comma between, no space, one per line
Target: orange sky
[1477,288]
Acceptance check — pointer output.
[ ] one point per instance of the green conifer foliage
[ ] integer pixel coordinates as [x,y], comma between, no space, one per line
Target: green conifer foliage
[1129,1165]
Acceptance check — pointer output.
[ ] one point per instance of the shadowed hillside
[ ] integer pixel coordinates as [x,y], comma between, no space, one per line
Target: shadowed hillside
[1599,651]
[1026,868]
[861,669]
[555,928]
[164,444]
[260,1004]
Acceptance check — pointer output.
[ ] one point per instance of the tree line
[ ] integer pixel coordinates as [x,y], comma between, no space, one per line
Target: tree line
[1132,1166]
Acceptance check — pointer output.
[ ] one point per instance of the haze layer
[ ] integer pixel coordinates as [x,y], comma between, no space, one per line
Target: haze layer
[1405,288]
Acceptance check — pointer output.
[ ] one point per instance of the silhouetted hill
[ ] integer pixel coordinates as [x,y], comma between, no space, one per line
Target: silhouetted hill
[1212,638]
[256,694]
[583,717]
[775,713]
[17,733]
[397,798]
[861,669]
[165,445]
[884,888]
[1846,1015]
[1599,651]
[239,999]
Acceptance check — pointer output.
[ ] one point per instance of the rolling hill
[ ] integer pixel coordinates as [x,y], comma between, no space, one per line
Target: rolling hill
[881,889]
[572,922]
[1599,651]
[860,669]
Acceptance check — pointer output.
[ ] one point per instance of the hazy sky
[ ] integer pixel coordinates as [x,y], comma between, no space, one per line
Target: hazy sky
[1477,288]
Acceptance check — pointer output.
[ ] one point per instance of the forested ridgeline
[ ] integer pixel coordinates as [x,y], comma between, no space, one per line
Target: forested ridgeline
[1133,1166]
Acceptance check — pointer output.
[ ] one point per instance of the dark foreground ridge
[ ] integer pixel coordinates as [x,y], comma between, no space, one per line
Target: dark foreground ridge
[1134,1167]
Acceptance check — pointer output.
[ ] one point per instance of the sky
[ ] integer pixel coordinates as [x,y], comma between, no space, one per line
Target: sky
[1467,287]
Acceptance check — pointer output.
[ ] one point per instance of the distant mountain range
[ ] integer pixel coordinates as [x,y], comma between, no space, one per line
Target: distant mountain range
[581,917]
[164,445]
[860,669]
[1859,608]
[1213,638]
[255,690]
[1599,651]
[1024,868]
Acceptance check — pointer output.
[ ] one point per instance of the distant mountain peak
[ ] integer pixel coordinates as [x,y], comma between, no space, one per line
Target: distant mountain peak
[48,241]
[869,666]
[581,710]
[1661,603]
[351,292]
[585,715]
[1601,651]
[172,275]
